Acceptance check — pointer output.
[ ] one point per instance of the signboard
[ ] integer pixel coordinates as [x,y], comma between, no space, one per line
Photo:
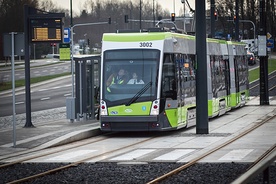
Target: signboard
[67,35]
[270,43]
[262,45]
[64,52]
[18,44]
[268,35]
[46,29]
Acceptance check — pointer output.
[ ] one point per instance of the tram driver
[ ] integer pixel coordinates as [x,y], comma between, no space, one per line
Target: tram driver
[119,78]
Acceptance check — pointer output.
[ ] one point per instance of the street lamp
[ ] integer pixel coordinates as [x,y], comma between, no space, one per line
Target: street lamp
[254,29]
[71,13]
[184,21]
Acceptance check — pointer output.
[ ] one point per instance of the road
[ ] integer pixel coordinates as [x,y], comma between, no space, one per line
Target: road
[39,68]
[45,95]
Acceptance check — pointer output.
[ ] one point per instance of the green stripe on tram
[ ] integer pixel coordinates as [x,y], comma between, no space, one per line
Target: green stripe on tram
[140,37]
[133,37]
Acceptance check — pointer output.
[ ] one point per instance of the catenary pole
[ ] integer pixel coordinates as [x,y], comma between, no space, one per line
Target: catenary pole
[27,68]
[201,71]
[237,31]
[264,95]
[212,18]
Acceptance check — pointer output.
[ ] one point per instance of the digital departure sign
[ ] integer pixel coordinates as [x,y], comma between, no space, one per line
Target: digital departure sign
[46,29]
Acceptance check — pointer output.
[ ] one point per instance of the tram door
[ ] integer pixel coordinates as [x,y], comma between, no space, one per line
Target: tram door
[179,63]
[227,79]
[169,83]
[237,80]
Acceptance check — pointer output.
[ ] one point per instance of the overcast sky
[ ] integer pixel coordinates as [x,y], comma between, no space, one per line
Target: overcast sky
[167,4]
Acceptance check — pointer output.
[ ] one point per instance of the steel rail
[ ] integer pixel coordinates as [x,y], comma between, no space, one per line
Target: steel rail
[48,153]
[195,160]
[263,156]
[77,163]
[260,165]
[259,84]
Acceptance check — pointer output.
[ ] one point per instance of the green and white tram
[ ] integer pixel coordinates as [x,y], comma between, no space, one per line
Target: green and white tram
[164,94]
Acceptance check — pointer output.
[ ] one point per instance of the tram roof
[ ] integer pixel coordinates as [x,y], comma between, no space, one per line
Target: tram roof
[133,36]
[143,36]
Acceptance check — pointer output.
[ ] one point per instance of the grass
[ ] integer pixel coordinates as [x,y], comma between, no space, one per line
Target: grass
[255,74]
[20,83]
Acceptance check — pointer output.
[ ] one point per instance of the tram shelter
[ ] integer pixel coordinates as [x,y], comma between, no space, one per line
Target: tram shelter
[84,103]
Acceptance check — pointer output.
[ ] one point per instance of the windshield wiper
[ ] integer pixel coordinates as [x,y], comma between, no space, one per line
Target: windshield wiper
[139,93]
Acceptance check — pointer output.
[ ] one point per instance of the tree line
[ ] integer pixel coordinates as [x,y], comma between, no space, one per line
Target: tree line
[12,17]
[248,10]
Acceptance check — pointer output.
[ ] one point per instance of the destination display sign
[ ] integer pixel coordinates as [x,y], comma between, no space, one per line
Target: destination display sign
[64,52]
[46,29]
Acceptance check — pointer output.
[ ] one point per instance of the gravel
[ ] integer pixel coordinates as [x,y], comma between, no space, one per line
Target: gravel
[38,117]
[105,173]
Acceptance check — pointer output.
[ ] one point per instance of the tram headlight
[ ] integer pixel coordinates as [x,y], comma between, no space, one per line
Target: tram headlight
[103,108]
[155,108]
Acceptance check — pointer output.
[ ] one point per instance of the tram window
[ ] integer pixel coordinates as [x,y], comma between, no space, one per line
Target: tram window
[169,77]
[143,63]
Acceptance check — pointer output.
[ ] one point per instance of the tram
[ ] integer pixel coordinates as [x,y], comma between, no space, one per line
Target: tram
[164,64]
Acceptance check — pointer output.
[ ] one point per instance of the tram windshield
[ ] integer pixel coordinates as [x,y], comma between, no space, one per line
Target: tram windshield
[128,72]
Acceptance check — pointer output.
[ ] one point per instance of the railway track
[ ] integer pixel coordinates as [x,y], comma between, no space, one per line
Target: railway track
[62,167]
[271,78]
[197,159]
[64,148]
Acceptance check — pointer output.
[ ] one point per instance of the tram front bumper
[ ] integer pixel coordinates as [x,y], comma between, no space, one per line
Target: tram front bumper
[130,123]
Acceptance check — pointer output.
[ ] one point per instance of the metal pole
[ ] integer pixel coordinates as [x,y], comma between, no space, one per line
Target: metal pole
[27,68]
[71,14]
[184,21]
[140,14]
[72,67]
[212,18]
[237,31]
[13,92]
[264,96]
[184,18]
[254,29]
[153,13]
[72,46]
[173,6]
[34,51]
[201,70]
[80,115]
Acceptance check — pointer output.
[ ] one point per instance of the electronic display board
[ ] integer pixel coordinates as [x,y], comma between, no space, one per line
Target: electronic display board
[46,29]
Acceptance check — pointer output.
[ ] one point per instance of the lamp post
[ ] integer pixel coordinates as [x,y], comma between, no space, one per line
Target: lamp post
[153,13]
[71,13]
[254,29]
[174,6]
[184,21]
[140,14]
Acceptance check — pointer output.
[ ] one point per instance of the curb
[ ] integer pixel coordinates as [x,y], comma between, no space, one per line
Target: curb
[72,137]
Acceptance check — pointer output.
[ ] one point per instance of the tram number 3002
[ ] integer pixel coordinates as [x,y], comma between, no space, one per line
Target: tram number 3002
[145,44]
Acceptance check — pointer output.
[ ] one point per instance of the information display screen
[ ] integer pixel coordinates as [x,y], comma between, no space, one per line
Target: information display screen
[46,29]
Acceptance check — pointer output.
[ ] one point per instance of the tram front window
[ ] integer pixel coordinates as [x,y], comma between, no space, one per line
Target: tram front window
[126,72]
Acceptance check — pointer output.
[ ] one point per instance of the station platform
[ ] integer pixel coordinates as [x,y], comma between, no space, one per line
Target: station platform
[54,133]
